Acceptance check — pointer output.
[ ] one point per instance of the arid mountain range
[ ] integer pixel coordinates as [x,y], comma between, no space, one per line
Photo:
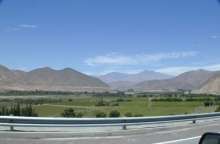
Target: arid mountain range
[201,81]
[187,81]
[123,81]
[47,79]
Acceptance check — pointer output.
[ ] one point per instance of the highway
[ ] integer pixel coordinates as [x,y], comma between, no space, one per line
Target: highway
[176,134]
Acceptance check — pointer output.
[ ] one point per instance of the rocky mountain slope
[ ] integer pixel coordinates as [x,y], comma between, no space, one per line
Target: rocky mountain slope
[49,79]
[124,81]
[212,86]
[188,81]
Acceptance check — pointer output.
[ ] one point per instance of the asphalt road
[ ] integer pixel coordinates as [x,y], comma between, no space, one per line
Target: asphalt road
[177,134]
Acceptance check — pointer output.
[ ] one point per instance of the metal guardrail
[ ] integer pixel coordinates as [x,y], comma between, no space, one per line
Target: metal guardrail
[13,121]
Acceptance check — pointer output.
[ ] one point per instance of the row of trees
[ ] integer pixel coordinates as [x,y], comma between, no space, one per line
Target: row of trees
[206,101]
[40,92]
[175,99]
[18,110]
[106,94]
[70,112]
[115,113]
[33,101]
[36,92]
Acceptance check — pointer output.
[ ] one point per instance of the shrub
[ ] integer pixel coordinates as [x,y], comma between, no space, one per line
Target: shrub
[128,114]
[79,114]
[218,109]
[123,100]
[208,103]
[102,103]
[100,114]
[115,104]
[138,115]
[69,113]
[120,100]
[114,113]
[167,99]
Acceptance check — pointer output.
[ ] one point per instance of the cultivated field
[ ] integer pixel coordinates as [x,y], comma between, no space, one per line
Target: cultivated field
[92,106]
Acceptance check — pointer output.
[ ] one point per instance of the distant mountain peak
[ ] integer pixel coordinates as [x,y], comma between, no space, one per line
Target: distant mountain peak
[68,70]
[123,80]
[4,68]
[115,73]
[42,69]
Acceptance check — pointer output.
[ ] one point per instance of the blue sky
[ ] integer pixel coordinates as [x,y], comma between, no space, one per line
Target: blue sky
[97,36]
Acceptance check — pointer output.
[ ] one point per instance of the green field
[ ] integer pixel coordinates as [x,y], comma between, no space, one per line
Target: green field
[90,104]
[138,106]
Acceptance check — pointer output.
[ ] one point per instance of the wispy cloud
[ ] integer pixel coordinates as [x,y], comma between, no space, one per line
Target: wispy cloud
[27,26]
[127,71]
[176,70]
[110,59]
[138,59]
[21,27]
[214,36]
[181,69]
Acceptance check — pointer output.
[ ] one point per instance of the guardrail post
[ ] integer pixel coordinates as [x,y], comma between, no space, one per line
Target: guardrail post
[194,121]
[124,127]
[11,126]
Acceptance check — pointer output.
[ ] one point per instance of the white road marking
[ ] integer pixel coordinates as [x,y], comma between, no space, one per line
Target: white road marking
[179,140]
[174,131]
[84,138]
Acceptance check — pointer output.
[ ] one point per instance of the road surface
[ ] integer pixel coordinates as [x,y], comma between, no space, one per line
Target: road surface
[177,134]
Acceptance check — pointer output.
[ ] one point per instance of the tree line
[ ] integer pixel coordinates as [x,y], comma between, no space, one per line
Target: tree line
[18,110]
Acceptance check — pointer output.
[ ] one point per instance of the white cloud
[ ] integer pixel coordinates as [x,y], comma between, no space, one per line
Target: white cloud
[127,71]
[215,67]
[182,69]
[164,56]
[176,70]
[27,26]
[138,59]
[214,36]
[110,59]
[20,27]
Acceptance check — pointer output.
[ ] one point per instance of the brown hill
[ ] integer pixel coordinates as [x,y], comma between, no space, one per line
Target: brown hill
[212,86]
[187,81]
[49,80]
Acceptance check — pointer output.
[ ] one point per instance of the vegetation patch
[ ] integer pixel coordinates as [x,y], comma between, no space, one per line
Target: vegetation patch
[98,105]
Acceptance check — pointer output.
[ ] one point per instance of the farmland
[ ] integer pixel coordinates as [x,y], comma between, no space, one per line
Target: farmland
[87,105]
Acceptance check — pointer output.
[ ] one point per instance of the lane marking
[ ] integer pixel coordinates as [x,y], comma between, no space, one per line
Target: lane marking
[84,138]
[179,140]
[174,131]
[182,129]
